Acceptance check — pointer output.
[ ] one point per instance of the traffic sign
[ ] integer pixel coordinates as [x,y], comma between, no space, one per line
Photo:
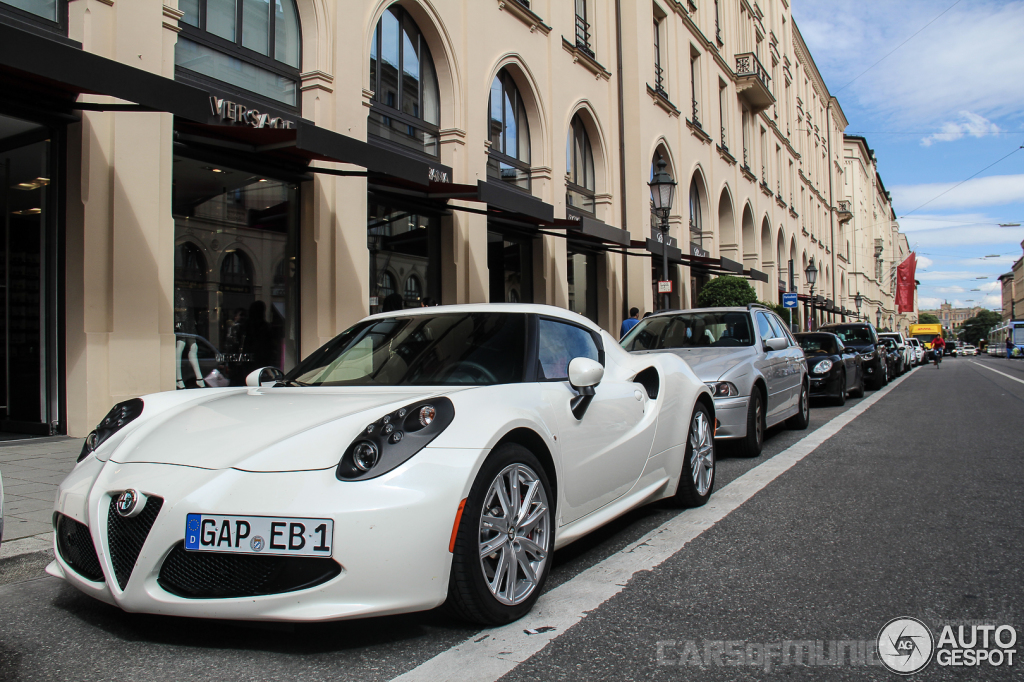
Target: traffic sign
[789,301]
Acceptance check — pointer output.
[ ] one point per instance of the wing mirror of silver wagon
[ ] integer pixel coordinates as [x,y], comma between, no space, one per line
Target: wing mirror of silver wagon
[584,375]
[776,344]
[264,376]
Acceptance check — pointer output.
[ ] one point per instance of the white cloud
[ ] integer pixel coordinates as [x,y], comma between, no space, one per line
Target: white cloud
[945,275]
[970,124]
[992,301]
[924,262]
[950,290]
[962,61]
[993,190]
[929,302]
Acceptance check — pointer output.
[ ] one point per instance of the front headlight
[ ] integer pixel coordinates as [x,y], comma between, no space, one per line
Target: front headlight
[391,440]
[722,389]
[119,416]
[822,367]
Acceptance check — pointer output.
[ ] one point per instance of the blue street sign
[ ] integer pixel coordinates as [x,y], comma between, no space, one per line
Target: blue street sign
[789,301]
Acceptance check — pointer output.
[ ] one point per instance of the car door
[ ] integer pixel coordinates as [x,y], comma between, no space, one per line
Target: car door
[602,453]
[795,360]
[774,369]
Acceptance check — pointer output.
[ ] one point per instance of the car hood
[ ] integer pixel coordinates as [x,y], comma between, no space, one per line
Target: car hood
[712,364]
[261,429]
[861,348]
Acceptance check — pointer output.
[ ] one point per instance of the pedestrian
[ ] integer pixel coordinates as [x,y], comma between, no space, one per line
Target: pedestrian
[1009,346]
[630,322]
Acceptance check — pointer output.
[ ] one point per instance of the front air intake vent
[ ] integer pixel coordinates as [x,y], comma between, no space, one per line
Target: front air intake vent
[74,542]
[125,536]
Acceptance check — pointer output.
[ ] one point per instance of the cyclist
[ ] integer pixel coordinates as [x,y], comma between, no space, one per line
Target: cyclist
[938,346]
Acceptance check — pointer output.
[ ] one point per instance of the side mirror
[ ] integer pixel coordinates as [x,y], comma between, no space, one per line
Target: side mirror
[263,376]
[776,344]
[584,375]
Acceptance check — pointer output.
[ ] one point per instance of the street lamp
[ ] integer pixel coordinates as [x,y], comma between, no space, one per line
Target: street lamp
[811,273]
[662,188]
[859,300]
[878,318]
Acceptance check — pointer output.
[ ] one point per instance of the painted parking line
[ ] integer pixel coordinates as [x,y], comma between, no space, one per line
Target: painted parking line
[1019,381]
[490,654]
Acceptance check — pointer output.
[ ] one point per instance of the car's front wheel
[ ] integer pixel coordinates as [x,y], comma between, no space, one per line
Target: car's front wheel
[697,478]
[503,547]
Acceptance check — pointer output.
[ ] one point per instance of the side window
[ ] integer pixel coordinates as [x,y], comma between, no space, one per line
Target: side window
[777,327]
[559,344]
[764,327]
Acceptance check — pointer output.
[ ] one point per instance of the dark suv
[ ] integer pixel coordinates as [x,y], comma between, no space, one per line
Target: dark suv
[862,337]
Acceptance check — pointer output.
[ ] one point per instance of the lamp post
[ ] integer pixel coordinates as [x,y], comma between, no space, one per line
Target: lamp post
[811,273]
[859,300]
[878,318]
[662,188]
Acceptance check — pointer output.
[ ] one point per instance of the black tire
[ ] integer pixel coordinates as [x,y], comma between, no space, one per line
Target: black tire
[688,493]
[885,375]
[800,420]
[751,444]
[840,399]
[859,391]
[469,597]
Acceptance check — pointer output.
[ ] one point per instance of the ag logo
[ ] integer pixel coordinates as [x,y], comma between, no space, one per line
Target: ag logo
[130,503]
[905,645]
[256,543]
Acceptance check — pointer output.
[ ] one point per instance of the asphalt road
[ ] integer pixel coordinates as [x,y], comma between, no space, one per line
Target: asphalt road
[913,508]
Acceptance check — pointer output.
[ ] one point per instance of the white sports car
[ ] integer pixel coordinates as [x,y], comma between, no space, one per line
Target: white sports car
[428,456]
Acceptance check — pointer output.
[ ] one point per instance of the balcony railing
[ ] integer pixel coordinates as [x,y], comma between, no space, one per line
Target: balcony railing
[754,84]
[583,35]
[747,64]
[659,80]
[694,119]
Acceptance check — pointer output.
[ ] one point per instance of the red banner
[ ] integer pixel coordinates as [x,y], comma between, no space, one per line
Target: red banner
[905,286]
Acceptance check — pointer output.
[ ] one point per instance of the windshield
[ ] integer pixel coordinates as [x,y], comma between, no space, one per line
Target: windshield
[858,334]
[691,330]
[889,343]
[819,344]
[421,350]
[925,338]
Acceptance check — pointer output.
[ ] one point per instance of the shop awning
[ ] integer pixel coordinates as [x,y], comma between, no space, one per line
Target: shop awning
[498,195]
[591,231]
[56,71]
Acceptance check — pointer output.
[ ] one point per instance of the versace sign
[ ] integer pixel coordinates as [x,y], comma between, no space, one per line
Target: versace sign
[234,112]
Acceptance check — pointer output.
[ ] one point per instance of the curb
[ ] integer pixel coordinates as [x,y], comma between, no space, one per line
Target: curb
[28,545]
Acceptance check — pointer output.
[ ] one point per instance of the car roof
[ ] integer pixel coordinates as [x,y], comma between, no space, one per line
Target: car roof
[529,308]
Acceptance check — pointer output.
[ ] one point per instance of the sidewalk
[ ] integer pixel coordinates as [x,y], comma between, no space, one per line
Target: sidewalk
[31,470]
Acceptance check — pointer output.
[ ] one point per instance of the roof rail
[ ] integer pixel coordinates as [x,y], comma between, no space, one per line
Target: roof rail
[751,306]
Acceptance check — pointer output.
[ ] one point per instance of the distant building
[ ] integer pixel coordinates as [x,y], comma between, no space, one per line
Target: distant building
[952,318]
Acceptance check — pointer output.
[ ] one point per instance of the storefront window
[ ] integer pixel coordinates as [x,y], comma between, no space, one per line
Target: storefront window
[250,44]
[235,283]
[47,9]
[510,267]
[406,107]
[405,255]
[582,280]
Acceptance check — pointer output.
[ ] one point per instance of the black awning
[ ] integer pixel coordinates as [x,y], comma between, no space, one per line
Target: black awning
[54,71]
[591,231]
[498,195]
[656,248]
[756,275]
[731,265]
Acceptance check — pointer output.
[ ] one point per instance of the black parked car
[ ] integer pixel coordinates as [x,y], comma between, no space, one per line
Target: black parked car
[894,357]
[862,337]
[834,369]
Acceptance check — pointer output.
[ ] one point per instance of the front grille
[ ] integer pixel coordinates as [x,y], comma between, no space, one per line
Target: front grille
[76,549]
[210,575]
[125,536]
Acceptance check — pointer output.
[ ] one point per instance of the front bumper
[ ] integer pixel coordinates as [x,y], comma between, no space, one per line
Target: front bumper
[825,386]
[732,417]
[391,534]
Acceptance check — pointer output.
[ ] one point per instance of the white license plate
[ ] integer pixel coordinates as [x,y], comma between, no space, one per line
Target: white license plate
[272,535]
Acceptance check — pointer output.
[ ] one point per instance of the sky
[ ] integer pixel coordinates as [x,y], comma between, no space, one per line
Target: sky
[935,87]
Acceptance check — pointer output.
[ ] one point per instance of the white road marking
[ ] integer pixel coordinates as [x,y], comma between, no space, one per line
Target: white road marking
[489,654]
[1019,381]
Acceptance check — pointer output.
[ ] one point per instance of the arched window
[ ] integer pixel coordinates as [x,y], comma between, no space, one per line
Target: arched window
[46,9]
[189,264]
[509,155]
[413,290]
[406,105]
[579,168]
[386,286]
[236,272]
[254,45]
[696,225]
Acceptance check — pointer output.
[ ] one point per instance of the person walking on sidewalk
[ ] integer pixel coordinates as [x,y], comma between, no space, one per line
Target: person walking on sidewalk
[629,322]
[1009,346]
[938,346]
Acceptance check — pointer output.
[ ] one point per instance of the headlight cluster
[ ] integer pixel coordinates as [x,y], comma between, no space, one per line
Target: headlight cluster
[394,438]
[119,415]
[822,367]
[722,389]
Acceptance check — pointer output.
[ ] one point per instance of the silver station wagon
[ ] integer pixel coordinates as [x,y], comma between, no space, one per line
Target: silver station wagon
[747,357]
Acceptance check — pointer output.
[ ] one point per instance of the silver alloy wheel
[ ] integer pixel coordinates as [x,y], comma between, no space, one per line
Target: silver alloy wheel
[702,453]
[804,400]
[515,527]
[759,422]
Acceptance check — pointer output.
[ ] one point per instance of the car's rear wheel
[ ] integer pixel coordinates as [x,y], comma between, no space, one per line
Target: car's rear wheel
[802,418]
[859,391]
[750,445]
[697,478]
[503,547]
[841,398]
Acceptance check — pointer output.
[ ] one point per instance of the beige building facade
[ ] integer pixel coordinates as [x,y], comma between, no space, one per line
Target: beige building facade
[218,185]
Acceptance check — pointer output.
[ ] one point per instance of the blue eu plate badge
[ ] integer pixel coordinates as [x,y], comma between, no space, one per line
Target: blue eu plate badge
[192,531]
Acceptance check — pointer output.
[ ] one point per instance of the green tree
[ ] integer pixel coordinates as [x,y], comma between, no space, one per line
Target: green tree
[927,318]
[977,328]
[726,291]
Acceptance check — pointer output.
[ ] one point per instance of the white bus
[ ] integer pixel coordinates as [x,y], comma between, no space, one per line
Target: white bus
[997,339]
